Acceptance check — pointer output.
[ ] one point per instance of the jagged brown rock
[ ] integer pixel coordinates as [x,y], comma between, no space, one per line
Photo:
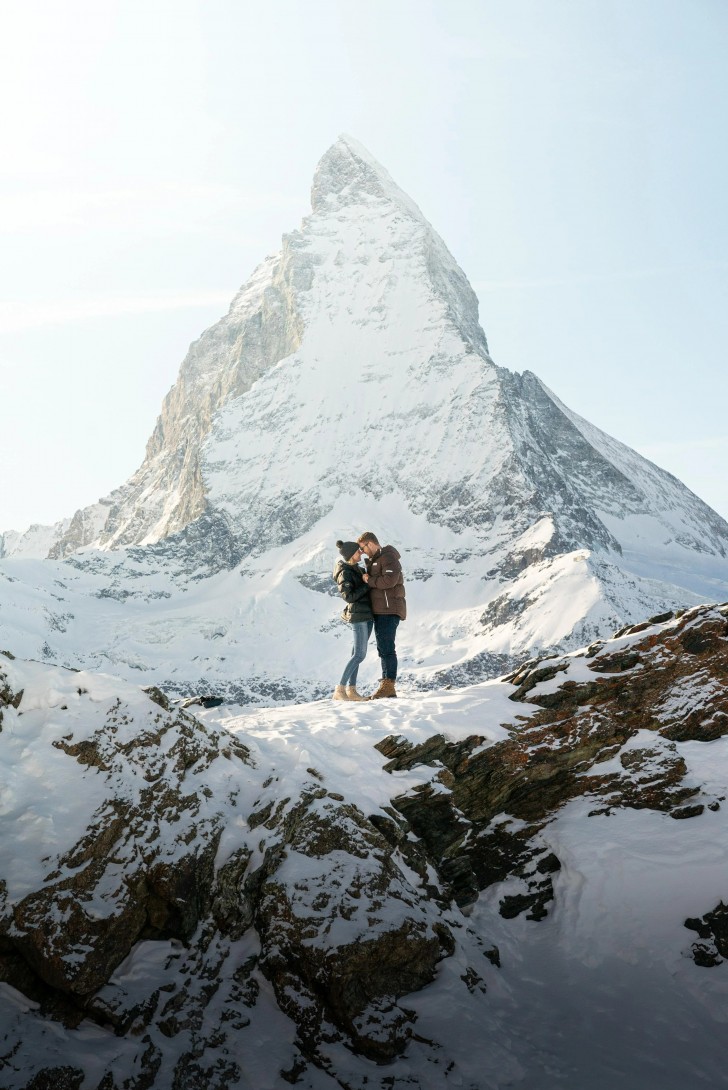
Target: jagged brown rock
[712,928]
[339,876]
[672,681]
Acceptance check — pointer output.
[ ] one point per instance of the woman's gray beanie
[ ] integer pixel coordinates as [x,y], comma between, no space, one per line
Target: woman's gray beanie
[347,548]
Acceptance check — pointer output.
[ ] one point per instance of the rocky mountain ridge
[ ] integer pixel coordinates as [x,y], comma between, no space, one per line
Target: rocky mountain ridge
[215,900]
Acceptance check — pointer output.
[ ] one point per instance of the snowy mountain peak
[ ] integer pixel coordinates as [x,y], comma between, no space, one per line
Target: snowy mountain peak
[349,174]
[350,387]
[349,180]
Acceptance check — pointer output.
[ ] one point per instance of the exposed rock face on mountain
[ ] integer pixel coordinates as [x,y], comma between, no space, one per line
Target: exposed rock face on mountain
[350,387]
[196,903]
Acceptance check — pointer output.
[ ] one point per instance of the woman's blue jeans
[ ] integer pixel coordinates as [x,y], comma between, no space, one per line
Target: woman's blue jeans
[362,632]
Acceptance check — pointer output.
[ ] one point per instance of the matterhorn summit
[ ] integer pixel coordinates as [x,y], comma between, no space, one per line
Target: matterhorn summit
[350,387]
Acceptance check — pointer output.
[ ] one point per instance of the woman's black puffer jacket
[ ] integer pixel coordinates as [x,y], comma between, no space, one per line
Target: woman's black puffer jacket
[354,591]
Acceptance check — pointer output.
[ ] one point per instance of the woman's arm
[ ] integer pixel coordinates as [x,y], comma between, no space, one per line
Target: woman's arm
[348,589]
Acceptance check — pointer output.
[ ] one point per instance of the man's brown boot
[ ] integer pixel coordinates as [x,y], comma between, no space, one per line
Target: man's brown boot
[352,694]
[386,688]
[340,693]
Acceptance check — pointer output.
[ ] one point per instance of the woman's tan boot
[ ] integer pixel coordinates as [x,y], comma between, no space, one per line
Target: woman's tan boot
[352,694]
[340,693]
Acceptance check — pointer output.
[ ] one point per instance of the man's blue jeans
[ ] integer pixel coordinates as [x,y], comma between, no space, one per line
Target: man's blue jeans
[362,631]
[385,630]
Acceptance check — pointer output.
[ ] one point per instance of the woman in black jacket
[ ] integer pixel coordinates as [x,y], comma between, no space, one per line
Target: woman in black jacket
[358,613]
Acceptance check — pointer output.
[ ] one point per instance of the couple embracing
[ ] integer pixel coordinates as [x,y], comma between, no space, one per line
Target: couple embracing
[374,598]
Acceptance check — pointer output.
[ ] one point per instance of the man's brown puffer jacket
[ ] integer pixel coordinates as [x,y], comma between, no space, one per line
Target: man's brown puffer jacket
[386,583]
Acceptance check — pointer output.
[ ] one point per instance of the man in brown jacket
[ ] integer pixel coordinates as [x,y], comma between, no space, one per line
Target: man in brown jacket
[386,590]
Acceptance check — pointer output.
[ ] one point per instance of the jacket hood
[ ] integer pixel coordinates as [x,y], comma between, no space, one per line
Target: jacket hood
[391,551]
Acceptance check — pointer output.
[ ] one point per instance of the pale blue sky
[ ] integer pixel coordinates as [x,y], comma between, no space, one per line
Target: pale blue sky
[572,154]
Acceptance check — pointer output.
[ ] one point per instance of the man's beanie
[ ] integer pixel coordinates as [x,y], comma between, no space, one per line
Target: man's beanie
[347,548]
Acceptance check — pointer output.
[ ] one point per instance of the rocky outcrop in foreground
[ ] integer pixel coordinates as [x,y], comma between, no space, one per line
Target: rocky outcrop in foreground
[177,911]
[603,722]
[185,892]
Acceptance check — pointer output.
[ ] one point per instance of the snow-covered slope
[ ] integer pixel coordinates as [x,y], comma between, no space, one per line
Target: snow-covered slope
[350,387]
[517,884]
